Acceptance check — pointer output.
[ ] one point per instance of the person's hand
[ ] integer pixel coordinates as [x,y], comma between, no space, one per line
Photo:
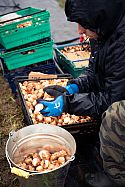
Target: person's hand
[52,108]
[56,90]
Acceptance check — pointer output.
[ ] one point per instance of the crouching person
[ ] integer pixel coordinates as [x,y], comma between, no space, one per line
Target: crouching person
[112,142]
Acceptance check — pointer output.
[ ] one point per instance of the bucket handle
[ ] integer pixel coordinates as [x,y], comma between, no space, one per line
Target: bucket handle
[72,158]
[22,173]
[11,133]
[14,170]
[17,171]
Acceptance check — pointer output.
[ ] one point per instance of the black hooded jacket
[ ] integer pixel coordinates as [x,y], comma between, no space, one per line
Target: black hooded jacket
[104,80]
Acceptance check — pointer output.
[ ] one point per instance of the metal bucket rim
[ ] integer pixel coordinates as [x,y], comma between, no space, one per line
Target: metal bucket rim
[71,158]
[13,132]
[33,135]
[35,172]
[28,136]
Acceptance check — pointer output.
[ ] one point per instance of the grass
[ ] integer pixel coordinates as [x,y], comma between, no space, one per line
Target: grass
[11,118]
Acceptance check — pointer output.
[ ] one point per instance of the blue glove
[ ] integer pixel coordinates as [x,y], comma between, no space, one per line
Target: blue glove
[72,88]
[52,108]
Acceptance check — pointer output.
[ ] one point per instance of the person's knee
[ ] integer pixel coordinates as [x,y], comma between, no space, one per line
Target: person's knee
[115,111]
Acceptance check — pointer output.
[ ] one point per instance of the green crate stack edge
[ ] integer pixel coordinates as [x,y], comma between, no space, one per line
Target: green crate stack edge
[38,27]
[26,53]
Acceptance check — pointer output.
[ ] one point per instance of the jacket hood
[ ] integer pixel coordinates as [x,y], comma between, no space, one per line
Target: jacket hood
[100,16]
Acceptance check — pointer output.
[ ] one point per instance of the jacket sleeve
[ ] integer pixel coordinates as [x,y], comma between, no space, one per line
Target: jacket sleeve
[88,104]
[86,82]
[95,103]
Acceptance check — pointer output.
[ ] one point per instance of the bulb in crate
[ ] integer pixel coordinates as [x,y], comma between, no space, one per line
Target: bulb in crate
[39,107]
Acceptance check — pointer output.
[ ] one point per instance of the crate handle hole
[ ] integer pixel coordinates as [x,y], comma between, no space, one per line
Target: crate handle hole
[28,52]
[25,24]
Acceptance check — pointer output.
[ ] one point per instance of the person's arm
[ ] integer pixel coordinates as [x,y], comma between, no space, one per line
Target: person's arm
[88,103]
[95,104]
[78,104]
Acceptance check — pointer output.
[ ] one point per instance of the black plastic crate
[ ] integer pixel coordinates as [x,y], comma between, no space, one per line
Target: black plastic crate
[47,67]
[86,128]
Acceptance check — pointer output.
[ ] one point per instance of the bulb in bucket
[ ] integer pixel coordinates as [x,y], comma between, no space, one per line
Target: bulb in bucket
[43,153]
[45,159]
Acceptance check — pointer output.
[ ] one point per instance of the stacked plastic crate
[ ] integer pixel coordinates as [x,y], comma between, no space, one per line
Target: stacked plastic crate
[26,44]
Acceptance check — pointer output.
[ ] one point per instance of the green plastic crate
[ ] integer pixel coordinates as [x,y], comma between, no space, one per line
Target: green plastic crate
[27,56]
[12,36]
[66,63]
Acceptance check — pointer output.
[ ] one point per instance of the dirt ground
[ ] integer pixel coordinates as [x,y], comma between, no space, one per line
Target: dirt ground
[11,118]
